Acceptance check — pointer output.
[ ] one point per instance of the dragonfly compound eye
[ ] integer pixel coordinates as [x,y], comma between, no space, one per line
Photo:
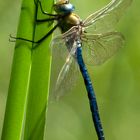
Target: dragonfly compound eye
[63,7]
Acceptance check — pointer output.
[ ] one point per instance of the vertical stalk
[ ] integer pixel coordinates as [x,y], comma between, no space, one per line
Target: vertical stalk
[17,94]
[29,84]
[39,80]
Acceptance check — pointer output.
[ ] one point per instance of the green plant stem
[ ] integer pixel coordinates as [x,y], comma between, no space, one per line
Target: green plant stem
[39,81]
[29,85]
[17,94]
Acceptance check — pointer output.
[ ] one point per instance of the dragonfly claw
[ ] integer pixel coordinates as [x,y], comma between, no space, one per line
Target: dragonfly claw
[12,38]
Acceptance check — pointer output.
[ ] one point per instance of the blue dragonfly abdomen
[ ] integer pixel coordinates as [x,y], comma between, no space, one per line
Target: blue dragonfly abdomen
[90,92]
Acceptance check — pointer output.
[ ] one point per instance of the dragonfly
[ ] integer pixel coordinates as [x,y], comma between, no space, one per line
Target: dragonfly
[90,41]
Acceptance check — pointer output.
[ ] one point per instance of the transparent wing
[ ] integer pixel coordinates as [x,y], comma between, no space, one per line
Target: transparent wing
[98,48]
[66,79]
[64,67]
[105,19]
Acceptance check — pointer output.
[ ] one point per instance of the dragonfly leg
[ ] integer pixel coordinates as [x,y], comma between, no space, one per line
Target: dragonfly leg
[48,34]
[13,39]
[44,12]
[46,20]
[36,3]
[54,16]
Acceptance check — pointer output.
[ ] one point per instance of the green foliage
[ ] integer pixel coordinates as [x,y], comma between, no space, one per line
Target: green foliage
[29,84]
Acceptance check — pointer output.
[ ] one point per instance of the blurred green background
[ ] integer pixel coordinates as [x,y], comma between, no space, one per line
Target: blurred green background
[116,83]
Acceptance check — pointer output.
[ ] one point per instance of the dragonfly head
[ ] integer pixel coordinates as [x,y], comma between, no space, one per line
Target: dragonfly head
[63,7]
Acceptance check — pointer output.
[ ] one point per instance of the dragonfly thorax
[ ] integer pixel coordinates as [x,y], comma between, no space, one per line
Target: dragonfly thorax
[69,21]
[73,19]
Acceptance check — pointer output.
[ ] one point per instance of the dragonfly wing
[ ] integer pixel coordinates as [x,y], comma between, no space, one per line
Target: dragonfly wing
[67,78]
[63,64]
[62,45]
[98,48]
[105,19]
